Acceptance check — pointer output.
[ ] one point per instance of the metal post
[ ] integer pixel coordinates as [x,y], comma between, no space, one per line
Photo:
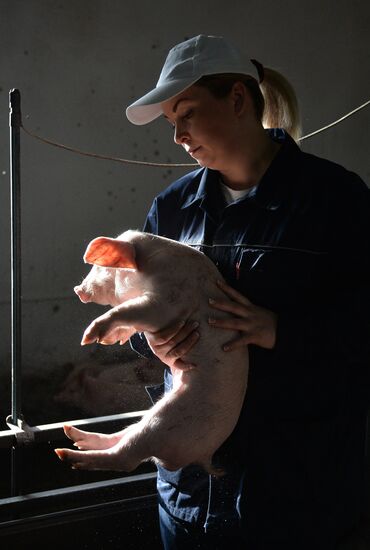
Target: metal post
[15,123]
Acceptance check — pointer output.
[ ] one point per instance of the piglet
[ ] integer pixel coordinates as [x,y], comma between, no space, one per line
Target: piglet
[152,283]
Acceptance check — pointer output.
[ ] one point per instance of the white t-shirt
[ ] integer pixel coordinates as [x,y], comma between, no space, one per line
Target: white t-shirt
[232,195]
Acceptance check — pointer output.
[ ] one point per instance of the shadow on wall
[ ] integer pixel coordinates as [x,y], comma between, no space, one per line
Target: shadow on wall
[102,385]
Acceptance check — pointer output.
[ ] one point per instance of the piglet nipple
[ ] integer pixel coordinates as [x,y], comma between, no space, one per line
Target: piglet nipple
[83,295]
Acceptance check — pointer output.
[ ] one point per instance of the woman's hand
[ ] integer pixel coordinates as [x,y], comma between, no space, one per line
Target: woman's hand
[173,343]
[257,325]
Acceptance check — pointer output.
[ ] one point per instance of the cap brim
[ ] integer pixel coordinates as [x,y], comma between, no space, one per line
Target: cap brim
[148,107]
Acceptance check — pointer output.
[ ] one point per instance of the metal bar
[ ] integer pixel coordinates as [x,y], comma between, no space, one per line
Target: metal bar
[15,467]
[78,502]
[74,490]
[47,432]
[16,290]
[78,514]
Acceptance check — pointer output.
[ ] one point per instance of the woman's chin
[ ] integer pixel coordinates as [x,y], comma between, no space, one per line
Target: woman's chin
[203,161]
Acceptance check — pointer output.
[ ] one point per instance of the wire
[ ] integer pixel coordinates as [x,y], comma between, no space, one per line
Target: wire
[170,165]
[336,122]
[255,247]
[104,157]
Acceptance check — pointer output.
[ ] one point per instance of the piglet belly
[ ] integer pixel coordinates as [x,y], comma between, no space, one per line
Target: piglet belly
[201,412]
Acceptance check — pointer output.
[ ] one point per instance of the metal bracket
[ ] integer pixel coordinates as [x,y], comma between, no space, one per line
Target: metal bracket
[23,433]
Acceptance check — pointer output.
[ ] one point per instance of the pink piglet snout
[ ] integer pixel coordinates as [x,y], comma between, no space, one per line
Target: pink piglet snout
[82,294]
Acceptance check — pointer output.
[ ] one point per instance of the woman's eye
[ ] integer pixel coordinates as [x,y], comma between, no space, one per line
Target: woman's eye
[187,115]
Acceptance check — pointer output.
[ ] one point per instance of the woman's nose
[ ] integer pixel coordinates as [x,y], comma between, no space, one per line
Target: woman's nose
[180,135]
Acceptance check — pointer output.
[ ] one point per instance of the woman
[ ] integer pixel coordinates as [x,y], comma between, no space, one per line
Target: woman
[290,233]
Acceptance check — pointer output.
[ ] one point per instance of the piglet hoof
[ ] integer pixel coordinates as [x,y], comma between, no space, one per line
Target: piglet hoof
[71,458]
[60,453]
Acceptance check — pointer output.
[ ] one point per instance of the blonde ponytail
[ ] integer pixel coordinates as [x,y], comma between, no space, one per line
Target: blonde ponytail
[274,99]
[281,105]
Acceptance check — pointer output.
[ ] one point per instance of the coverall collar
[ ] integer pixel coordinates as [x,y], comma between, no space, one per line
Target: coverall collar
[272,189]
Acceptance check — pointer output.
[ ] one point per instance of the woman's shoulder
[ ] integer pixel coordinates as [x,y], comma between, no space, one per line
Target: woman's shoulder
[183,185]
[331,176]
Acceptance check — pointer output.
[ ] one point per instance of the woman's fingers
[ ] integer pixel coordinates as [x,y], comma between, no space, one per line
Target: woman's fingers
[241,342]
[186,345]
[163,336]
[173,343]
[230,307]
[232,293]
[230,323]
[256,324]
[171,335]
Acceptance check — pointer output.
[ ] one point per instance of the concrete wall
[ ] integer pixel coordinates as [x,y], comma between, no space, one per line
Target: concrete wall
[78,64]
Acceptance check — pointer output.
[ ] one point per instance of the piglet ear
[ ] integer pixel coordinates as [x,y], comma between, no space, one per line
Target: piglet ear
[110,253]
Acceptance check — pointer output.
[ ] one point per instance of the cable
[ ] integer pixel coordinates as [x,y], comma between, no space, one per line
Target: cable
[170,165]
[104,157]
[336,122]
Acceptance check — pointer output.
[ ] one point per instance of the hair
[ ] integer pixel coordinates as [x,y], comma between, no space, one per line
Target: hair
[275,102]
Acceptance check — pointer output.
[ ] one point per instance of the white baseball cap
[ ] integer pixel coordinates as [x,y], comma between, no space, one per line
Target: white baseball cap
[185,64]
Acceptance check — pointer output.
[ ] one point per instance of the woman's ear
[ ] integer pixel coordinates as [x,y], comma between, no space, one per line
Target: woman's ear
[241,98]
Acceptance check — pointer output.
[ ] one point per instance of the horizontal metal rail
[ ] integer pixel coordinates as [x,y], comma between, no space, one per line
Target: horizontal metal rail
[58,506]
[24,434]
[74,489]
[77,514]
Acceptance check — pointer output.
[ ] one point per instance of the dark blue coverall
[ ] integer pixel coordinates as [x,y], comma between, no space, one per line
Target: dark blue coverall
[300,246]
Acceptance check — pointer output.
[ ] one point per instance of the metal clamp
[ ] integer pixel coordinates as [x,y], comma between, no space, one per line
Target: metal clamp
[23,433]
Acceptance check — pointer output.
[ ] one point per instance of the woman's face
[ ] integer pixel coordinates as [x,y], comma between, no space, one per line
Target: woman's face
[205,126]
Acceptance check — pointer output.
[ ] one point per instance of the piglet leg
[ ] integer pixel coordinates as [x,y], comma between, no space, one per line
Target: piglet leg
[125,455]
[120,322]
[95,460]
[87,441]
